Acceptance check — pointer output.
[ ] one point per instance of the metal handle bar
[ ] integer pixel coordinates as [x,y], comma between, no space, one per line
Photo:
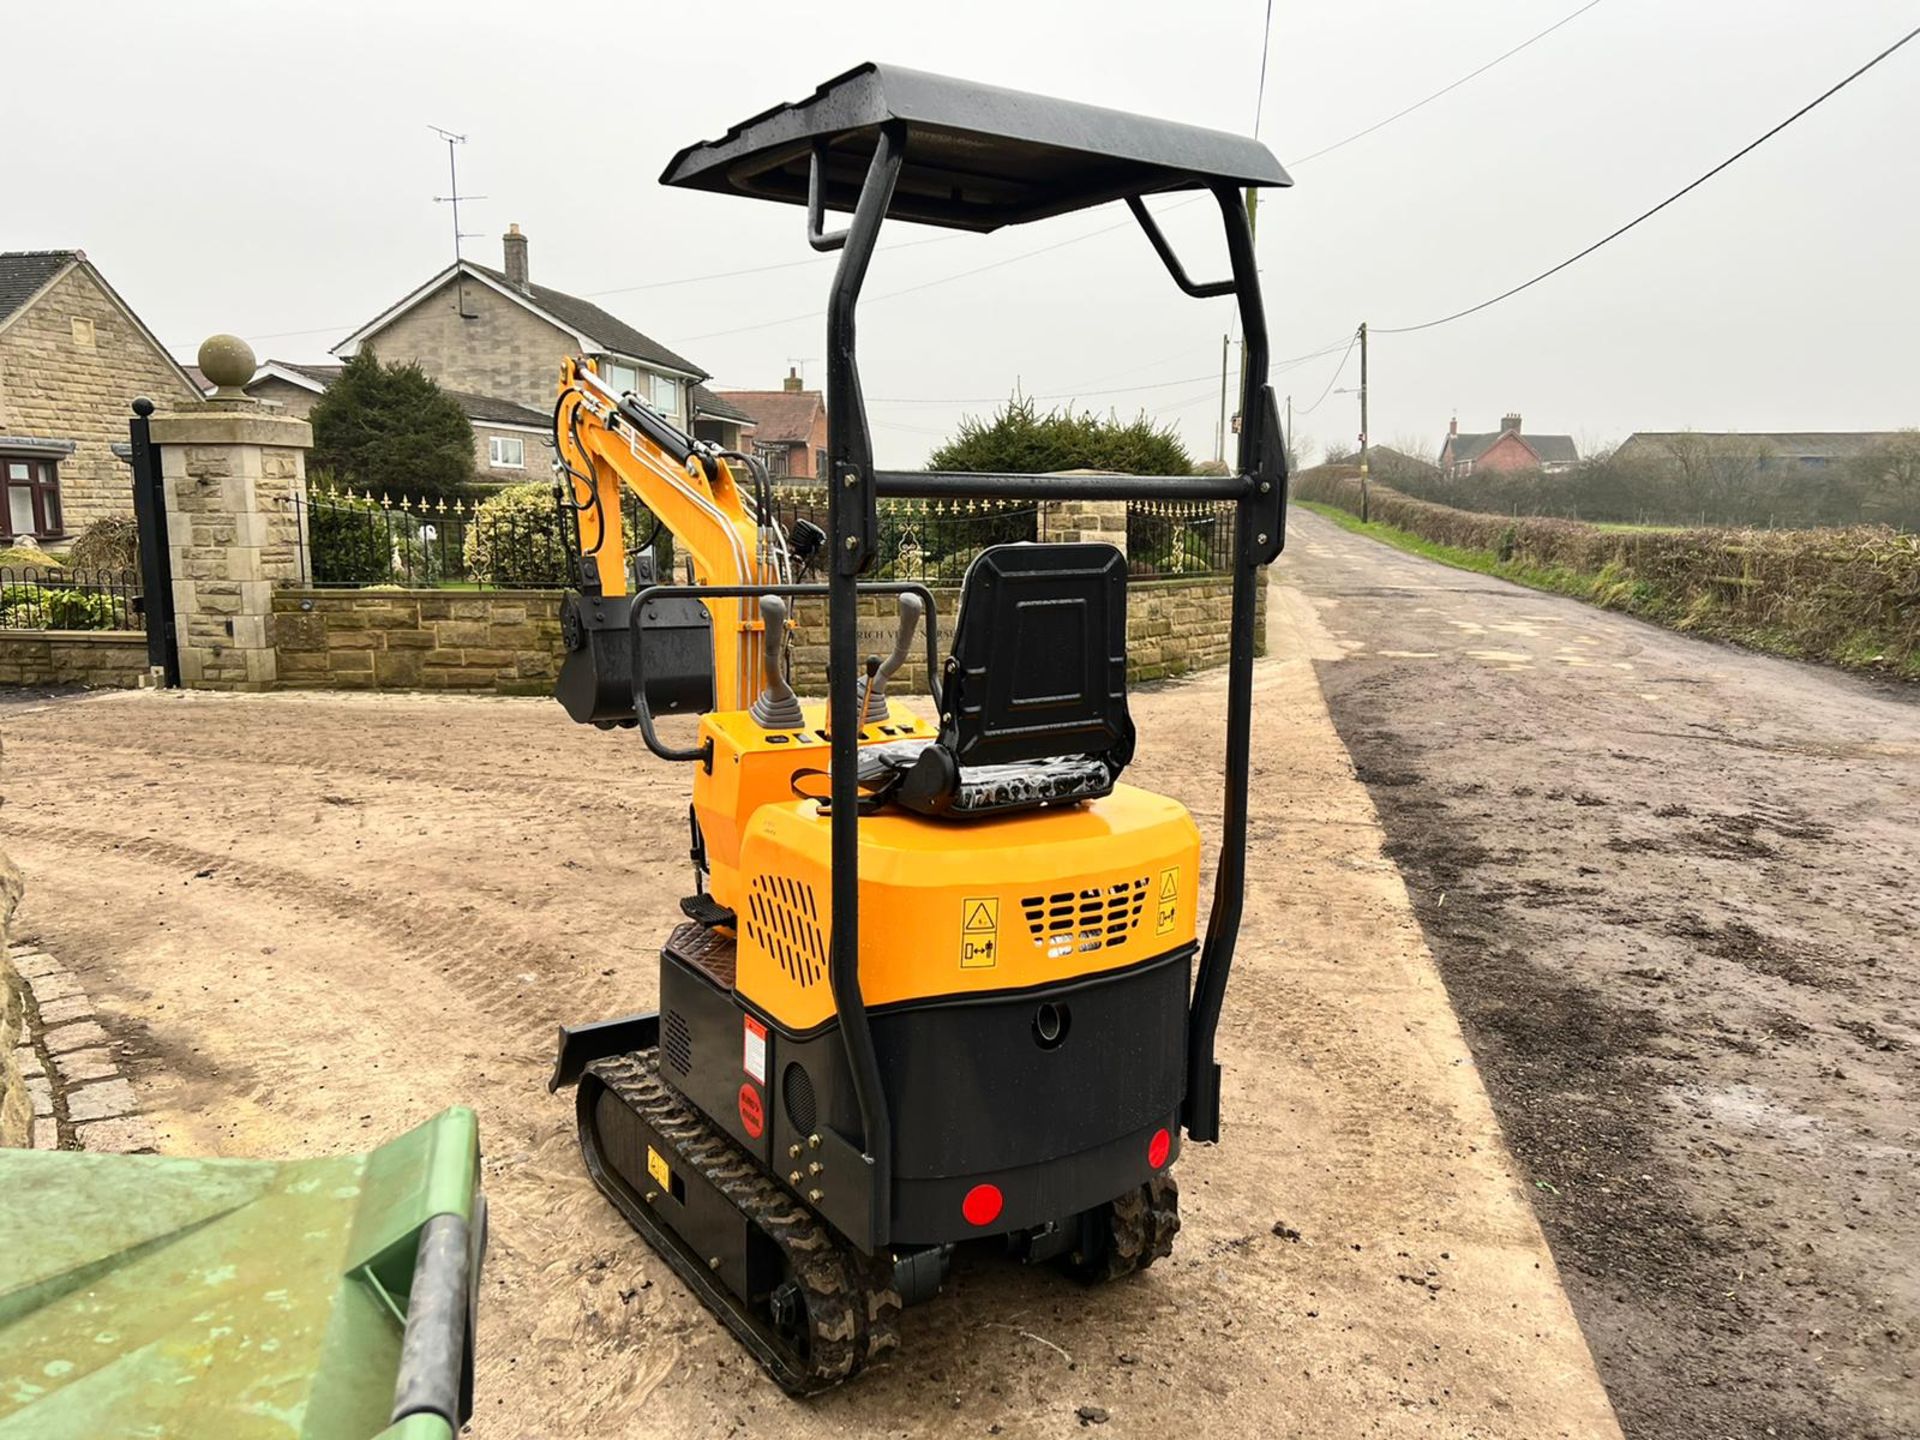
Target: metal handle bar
[741,592]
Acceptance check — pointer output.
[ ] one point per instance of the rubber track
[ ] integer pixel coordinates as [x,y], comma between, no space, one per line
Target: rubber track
[1140,1228]
[851,1304]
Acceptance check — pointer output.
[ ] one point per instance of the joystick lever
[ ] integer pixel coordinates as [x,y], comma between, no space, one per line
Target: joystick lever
[870,691]
[778,708]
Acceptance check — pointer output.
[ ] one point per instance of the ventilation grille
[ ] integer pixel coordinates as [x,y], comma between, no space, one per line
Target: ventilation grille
[784,920]
[676,1042]
[1097,918]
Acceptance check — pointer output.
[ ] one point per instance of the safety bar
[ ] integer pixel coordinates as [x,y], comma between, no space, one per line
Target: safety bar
[644,715]
[1207,291]
[853,488]
[981,485]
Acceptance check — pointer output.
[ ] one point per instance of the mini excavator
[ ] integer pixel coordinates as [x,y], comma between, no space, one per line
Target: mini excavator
[939,983]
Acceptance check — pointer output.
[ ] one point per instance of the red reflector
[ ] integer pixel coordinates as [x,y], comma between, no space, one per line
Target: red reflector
[1158,1148]
[982,1205]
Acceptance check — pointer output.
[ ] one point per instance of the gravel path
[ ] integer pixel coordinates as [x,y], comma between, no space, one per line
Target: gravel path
[1674,889]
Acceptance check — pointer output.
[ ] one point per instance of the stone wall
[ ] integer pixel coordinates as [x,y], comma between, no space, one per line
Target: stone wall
[59,381]
[99,659]
[16,1105]
[1173,626]
[506,642]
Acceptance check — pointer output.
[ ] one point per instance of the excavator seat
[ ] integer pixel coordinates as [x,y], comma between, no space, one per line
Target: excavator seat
[1034,693]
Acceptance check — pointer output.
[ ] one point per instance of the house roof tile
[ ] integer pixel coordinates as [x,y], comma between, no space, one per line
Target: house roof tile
[24,273]
[706,402]
[780,416]
[1800,444]
[1552,449]
[588,318]
[483,408]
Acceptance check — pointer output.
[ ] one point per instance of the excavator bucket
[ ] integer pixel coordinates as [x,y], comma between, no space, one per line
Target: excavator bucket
[165,1297]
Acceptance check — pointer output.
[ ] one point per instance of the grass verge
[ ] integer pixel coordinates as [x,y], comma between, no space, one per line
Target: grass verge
[1612,589]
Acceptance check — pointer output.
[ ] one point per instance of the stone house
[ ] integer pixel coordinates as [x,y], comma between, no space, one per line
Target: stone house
[492,332]
[1507,448]
[790,427]
[73,355]
[512,443]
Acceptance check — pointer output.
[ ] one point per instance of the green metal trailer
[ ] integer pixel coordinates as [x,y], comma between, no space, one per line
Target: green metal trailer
[155,1297]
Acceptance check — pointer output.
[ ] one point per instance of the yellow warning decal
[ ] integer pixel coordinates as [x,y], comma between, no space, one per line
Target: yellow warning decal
[1169,901]
[657,1168]
[979,933]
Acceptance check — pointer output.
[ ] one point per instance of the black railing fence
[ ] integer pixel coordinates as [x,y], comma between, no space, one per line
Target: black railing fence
[932,541]
[515,542]
[53,597]
[524,541]
[1179,537]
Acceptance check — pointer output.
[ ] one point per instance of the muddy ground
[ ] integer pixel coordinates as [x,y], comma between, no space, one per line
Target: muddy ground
[1674,890]
[312,920]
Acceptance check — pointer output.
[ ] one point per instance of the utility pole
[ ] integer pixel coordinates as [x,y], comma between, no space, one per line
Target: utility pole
[1220,435]
[1363,423]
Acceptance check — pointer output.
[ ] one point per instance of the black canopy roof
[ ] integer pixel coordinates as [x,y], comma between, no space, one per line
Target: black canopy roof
[977,156]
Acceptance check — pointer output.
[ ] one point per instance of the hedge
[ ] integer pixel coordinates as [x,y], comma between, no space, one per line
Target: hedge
[1848,595]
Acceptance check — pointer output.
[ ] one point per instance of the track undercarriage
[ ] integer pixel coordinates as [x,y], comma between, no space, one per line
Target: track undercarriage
[809,1306]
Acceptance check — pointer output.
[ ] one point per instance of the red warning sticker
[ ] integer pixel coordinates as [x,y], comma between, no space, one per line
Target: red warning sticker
[752,1115]
[753,1056]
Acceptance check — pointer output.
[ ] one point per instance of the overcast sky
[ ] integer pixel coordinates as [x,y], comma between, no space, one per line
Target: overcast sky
[268,169]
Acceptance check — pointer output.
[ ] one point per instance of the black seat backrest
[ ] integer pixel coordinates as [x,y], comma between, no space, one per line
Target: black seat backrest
[1039,662]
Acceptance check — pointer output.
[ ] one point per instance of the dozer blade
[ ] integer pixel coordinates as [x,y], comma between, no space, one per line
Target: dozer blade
[809,1307]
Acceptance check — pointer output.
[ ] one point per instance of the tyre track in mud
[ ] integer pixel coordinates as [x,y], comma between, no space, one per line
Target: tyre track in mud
[485,963]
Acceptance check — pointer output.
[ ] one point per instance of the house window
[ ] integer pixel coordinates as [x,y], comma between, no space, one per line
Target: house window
[33,497]
[666,394]
[775,459]
[506,452]
[621,379]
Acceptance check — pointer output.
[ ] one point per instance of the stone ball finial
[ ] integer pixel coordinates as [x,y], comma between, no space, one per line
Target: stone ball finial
[228,362]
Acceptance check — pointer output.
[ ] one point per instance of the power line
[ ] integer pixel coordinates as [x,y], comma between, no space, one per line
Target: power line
[1333,378]
[1744,150]
[1278,367]
[1446,89]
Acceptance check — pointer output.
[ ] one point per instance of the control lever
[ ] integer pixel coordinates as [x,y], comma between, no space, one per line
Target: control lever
[778,708]
[870,692]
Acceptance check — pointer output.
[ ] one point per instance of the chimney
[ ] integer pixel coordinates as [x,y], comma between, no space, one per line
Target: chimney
[1453,426]
[793,382]
[514,244]
[1510,422]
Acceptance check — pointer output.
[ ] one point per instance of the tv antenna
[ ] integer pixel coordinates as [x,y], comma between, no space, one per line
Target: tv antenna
[453,197]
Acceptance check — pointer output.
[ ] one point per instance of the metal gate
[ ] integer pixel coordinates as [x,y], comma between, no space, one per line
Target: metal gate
[156,557]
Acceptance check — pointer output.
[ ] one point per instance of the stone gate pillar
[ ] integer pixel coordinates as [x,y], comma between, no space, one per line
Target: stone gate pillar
[1083,520]
[234,473]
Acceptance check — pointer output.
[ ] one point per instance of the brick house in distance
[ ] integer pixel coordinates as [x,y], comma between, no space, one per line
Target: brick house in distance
[73,356]
[494,340]
[1505,449]
[790,427]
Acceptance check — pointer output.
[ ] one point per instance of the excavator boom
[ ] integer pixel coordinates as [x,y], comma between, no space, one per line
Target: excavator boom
[609,444]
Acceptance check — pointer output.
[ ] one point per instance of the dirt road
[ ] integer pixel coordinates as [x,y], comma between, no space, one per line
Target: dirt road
[1674,890]
[312,920]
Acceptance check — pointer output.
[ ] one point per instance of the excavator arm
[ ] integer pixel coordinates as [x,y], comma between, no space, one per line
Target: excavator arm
[609,444]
